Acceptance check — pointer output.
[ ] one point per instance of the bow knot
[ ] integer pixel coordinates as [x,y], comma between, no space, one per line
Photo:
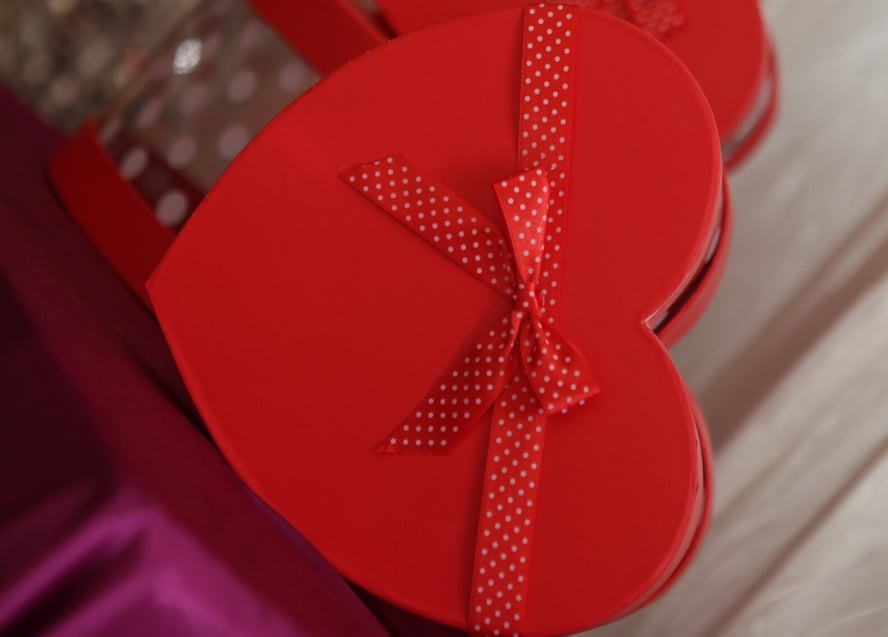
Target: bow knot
[554,369]
[525,300]
[524,200]
[523,343]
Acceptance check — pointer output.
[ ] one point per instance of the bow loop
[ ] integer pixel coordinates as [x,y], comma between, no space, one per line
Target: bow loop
[523,339]
[525,300]
[461,396]
[524,200]
[439,215]
[555,369]
[657,17]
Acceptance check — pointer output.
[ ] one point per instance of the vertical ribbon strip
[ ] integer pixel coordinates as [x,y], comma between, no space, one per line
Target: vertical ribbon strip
[507,522]
[521,369]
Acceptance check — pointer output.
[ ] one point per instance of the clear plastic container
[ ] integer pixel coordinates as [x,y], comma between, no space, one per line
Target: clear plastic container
[220,75]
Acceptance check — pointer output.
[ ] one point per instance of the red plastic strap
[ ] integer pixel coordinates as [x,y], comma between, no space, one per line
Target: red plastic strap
[108,210]
[521,369]
[327,33]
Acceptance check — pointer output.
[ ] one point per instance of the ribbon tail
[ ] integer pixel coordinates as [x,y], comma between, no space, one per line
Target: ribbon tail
[504,547]
[460,397]
[558,372]
[524,200]
[438,215]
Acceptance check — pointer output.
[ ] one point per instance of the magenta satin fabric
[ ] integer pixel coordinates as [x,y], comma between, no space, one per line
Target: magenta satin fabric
[117,516]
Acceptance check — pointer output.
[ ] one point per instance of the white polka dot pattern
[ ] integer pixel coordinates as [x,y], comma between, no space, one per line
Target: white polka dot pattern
[506,527]
[545,126]
[521,367]
[657,17]
[438,215]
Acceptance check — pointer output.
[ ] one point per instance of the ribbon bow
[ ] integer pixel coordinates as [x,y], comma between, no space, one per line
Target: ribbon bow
[522,341]
[522,368]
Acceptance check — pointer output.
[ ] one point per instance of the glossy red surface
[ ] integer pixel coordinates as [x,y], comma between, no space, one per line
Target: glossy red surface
[107,208]
[698,293]
[306,322]
[724,44]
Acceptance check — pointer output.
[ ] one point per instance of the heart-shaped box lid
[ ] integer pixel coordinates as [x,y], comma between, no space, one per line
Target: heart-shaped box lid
[308,323]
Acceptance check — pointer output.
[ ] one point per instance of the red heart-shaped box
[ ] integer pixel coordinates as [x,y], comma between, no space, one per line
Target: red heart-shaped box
[723,43]
[308,323]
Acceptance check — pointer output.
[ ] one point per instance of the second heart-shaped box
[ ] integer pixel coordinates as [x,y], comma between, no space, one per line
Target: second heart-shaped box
[724,44]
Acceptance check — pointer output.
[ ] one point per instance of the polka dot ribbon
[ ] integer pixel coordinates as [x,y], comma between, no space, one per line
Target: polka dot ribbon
[521,370]
[657,17]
